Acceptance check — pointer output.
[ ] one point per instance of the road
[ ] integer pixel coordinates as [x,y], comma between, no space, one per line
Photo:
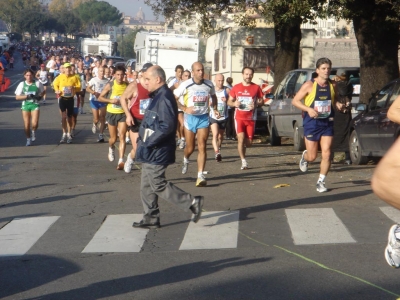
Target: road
[66,215]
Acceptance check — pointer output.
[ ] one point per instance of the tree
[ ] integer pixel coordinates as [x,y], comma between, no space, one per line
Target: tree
[56,7]
[31,21]
[126,46]
[69,23]
[376,26]
[12,9]
[98,13]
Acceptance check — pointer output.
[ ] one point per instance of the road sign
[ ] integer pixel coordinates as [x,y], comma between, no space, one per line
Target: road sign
[112,33]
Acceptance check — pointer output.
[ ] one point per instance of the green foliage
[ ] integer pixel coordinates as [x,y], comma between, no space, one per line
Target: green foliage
[125,47]
[32,21]
[70,24]
[99,13]
[11,10]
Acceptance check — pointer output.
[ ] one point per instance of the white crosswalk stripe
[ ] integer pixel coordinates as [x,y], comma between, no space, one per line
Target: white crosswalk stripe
[215,230]
[317,226]
[18,236]
[117,235]
[391,213]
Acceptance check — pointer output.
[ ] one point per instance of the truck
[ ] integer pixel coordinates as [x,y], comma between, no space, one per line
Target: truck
[102,45]
[166,50]
[4,42]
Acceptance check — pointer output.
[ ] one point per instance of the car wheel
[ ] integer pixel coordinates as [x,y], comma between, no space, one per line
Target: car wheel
[298,140]
[273,136]
[355,150]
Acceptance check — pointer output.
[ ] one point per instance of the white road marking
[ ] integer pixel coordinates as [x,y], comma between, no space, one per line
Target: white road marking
[116,234]
[392,213]
[317,226]
[215,230]
[18,236]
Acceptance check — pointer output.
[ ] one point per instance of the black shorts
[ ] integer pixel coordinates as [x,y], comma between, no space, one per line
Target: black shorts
[221,124]
[114,119]
[67,104]
[135,128]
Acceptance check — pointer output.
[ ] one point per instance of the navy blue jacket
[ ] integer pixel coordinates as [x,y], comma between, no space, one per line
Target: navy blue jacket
[156,143]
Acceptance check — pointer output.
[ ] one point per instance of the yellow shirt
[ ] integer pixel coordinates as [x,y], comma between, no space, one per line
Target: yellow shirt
[116,92]
[67,85]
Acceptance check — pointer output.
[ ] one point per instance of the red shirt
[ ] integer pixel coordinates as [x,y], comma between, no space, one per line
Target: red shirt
[140,103]
[246,95]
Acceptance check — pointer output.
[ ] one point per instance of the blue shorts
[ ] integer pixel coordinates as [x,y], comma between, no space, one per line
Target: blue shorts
[97,104]
[76,110]
[314,133]
[195,122]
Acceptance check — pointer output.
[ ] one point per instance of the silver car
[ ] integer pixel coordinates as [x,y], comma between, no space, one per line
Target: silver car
[284,119]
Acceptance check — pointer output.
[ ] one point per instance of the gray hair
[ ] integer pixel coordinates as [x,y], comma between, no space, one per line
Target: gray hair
[159,72]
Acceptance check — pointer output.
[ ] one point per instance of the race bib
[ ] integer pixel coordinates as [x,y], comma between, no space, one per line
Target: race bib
[67,91]
[323,108]
[245,103]
[221,108]
[200,99]
[100,87]
[116,105]
[144,103]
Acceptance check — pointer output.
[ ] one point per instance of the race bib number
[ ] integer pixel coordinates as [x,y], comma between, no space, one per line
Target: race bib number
[100,87]
[67,91]
[245,103]
[323,108]
[221,108]
[117,105]
[200,99]
[144,103]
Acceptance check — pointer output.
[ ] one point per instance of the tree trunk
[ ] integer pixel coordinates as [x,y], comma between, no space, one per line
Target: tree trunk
[287,47]
[378,42]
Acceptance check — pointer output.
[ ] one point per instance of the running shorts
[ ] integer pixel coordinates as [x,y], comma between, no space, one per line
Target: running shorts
[314,133]
[135,128]
[97,104]
[221,124]
[66,104]
[30,106]
[114,119]
[195,122]
[247,127]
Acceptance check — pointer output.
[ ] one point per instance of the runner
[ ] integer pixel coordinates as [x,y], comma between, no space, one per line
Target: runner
[50,66]
[30,92]
[196,93]
[94,87]
[115,115]
[81,73]
[139,99]
[178,77]
[180,128]
[245,97]
[318,94]
[66,85]
[43,76]
[218,124]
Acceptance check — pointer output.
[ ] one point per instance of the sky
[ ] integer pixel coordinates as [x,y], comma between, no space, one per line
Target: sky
[131,7]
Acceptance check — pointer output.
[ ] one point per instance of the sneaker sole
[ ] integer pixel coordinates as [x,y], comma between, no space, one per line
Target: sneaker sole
[201,183]
[120,166]
[184,170]
[388,248]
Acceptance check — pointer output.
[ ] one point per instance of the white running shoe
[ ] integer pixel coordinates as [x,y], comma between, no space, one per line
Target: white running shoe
[185,167]
[100,139]
[111,155]
[94,128]
[178,142]
[28,142]
[245,166]
[128,165]
[63,139]
[392,251]
[72,133]
[128,141]
[201,181]
[182,144]
[303,164]
[69,139]
[33,136]
[321,187]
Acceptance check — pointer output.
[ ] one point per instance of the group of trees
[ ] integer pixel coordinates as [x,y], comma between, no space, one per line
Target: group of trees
[376,26]
[61,16]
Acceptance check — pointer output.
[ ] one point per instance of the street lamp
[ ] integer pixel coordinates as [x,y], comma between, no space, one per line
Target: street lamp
[122,48]
[213,23]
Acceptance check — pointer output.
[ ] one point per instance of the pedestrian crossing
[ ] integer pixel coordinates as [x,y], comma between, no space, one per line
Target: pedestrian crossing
[215,230]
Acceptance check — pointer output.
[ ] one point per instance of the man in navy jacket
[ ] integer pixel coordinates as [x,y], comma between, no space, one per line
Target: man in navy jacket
[156,150]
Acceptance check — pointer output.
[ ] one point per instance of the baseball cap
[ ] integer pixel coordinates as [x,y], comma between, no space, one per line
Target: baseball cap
[67,65]
[145,67]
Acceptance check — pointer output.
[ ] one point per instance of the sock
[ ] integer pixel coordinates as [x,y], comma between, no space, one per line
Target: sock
[120,160]
[243,160]
[182,139]
[321,178]
[199,174]
[110,150]
[129,158]
[185,160]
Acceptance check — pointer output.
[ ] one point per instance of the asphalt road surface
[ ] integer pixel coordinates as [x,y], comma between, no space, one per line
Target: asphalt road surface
[66,215]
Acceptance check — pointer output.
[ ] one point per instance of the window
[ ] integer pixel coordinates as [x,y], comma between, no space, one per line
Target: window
[216,60]
[258,59]
[224,58]
[379,100]
[300,81]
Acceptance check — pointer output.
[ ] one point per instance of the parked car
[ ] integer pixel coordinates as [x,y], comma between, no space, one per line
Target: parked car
[284,119]
[119,63]
[131,62]
[115,58]
[371,132]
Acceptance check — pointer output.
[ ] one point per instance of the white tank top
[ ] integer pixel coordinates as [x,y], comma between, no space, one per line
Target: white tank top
[43,77]
[222,107]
